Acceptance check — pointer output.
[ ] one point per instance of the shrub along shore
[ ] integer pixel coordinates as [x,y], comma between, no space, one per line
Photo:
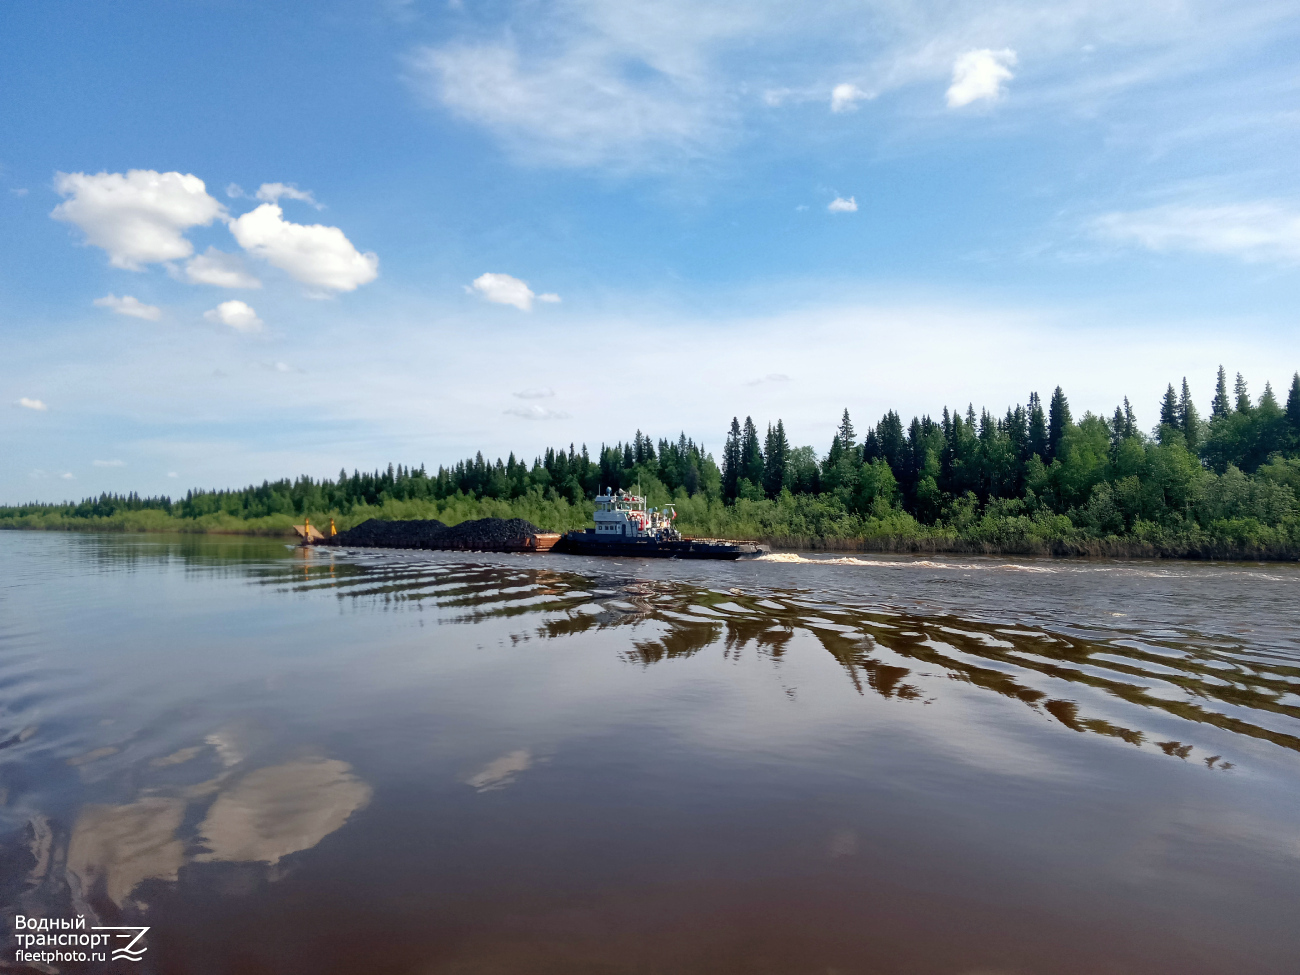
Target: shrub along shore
[1033,482]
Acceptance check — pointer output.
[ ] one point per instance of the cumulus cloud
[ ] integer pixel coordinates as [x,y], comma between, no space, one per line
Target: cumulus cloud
[315,255]
[550,297]
[236,314]
[234,191]
[127,305]
[1256,232]
[272,192]
[502,289]
[545,393]
[536,412]
[219,269]
[68,476]
[31,404]
[108,463]
[845,97]
[980,74]
[173,474]
[138,218]
[841,205]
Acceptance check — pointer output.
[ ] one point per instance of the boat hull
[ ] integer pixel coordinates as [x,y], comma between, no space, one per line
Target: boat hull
[586,543]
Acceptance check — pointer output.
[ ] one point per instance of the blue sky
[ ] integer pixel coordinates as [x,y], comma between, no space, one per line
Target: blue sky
[245,240]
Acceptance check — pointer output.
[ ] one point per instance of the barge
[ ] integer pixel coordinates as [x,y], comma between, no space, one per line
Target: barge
[626,527]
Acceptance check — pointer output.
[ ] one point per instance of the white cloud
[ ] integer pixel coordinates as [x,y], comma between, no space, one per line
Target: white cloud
[272,192]
[1257,232]
[648,84]
[108,463]
[536,412]
[220,269]
[68,476]
[844,98]
[771,377]
[546,393]
[234,191]
[18,190]
[236,314]
[549,297]
[127,305]
[31,404]
[618,84]
[841,205]
[980,74]
[315,255]
[138,218]
[502,289]
[173,474]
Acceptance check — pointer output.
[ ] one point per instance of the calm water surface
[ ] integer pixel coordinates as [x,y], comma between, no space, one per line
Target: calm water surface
[360,762]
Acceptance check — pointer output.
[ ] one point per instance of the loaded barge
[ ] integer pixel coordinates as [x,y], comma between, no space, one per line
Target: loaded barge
[625,527]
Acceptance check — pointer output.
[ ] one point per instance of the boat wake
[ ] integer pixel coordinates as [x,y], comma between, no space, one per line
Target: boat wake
[792,558]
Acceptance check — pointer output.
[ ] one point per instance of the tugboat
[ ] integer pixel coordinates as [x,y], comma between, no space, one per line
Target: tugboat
[624,526]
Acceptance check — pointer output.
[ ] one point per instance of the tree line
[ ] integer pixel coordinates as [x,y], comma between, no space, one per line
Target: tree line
[568,474]
[1233,472]
[1105,474]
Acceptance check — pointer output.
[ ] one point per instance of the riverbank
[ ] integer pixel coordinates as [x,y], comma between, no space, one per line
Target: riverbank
[906,539]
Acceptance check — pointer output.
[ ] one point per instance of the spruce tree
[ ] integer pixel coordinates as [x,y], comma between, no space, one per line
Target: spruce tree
[1037,428]
[1169,408]
[846,434]
[731,461]
[1242,394]
[1117,426]
[1130,420]
[1058,422]
[1188,418]
[751,454]
[1293,410]
[776,456]
[893,442]
[870,446]
[1272,432]
[1221,405]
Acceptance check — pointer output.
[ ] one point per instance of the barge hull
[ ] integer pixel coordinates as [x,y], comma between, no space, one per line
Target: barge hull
[585,543]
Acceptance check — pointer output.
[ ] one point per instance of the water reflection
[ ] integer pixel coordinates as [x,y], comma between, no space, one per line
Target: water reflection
[500,772]
[116,848]
[1190,676]
[276,811]
[260,817]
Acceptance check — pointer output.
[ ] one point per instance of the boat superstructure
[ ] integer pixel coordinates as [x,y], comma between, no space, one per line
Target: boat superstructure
[626,526]
[621,516]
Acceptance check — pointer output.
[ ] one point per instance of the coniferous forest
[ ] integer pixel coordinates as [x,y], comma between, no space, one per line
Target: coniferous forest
[1036,479]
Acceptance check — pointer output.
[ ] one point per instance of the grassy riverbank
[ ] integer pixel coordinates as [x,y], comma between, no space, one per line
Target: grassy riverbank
[789,522]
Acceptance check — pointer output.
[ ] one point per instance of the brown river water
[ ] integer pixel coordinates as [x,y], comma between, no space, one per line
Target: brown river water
[353,762]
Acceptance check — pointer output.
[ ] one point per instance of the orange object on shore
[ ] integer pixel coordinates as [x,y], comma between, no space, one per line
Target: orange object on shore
[307,533]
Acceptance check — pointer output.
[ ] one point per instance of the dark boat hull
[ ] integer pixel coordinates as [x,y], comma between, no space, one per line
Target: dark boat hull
[586,543]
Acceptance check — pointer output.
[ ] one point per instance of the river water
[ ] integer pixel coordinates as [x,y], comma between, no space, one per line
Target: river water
[359,762]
